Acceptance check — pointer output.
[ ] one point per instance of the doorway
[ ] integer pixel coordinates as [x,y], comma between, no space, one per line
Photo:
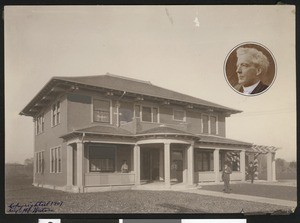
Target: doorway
[149,164]
[177,166]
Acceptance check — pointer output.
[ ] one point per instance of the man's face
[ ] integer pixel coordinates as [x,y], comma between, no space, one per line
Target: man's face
[246,71]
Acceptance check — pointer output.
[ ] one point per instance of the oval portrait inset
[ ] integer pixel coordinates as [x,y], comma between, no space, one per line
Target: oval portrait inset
[250,69]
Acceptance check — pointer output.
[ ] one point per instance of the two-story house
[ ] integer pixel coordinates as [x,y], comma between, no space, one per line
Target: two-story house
[87,127]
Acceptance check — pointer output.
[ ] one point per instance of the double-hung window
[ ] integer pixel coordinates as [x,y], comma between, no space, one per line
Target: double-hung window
[213,125]
[40,124]
[101,111]
[149,114]
[39,162]
[205,119]
[179,115]
[209,124]
[55,160]
[56,113]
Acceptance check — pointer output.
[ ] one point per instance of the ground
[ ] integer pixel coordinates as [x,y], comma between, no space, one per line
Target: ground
[269,191]
[19,190]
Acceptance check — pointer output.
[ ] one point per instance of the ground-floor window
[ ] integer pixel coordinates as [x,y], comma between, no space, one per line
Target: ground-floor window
[39,162]
[55,160]
[204,160]
[102,158]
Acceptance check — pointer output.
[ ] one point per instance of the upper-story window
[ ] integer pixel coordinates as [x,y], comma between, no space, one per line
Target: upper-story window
[149,114]
[146,114]
[40,124]
[101,111]
[213,125]
[55,160]
[179,115]
[125,113]
[137,111]
[205,119]
[55,113]
[209,124]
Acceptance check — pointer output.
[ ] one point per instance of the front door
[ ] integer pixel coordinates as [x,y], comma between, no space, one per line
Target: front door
[149,164]
[177,166]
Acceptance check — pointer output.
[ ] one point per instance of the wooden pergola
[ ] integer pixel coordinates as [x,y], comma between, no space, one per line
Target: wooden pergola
[270,152]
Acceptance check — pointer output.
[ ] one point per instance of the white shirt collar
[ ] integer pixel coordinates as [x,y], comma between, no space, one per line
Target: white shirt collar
[248,90]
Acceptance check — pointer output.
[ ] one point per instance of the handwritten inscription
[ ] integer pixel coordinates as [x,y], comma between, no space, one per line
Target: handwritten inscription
[34,207]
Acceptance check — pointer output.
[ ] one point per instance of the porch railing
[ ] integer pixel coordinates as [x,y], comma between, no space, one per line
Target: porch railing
[109,179]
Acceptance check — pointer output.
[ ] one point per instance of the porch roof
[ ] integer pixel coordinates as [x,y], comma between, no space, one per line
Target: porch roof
[164,130]
[221,140]
[101,130]
[157,131]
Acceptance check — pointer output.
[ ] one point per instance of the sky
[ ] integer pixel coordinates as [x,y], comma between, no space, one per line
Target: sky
[181,48]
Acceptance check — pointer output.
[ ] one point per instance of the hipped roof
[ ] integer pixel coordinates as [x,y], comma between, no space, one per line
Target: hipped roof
[124,84]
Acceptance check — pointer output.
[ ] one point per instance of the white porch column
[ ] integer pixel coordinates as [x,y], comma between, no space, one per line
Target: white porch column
[161,164]
[217,165]
[273,167]
[243,164]
[190,159]
[80,174]
[137,164]
[69,166]
[167,165]
[269,166]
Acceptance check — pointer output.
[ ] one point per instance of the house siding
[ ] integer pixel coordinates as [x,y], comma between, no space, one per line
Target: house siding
[80,111]
[50,139]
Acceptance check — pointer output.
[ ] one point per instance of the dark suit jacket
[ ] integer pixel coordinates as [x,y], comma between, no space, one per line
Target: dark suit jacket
[259,88]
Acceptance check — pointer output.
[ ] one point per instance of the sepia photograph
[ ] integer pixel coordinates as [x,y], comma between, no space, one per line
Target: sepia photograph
[150,109]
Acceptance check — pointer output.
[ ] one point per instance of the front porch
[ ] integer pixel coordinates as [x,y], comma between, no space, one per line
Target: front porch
[162,160]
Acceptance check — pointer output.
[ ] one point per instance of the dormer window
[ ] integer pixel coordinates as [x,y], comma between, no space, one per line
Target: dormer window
[101,111]
[179,115]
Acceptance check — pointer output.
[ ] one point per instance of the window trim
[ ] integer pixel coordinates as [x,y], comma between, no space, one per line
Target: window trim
[41,125]
[110,110]
[151,107]
[209,123]
[57,110]
[217,121]
[40,170]
[57,163]
[184,115]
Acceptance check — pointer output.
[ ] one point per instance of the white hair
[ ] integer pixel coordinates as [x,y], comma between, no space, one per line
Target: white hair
[257,57]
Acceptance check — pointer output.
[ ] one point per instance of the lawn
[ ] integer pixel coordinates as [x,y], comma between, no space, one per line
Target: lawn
[261,190]
[131,201]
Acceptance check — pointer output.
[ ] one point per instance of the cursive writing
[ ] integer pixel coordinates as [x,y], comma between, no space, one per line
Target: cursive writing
[34,207]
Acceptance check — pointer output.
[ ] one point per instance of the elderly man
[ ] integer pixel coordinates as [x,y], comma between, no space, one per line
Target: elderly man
[251,65]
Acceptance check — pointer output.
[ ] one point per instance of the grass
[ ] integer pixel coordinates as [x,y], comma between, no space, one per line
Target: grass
[261,190]
[19,190]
